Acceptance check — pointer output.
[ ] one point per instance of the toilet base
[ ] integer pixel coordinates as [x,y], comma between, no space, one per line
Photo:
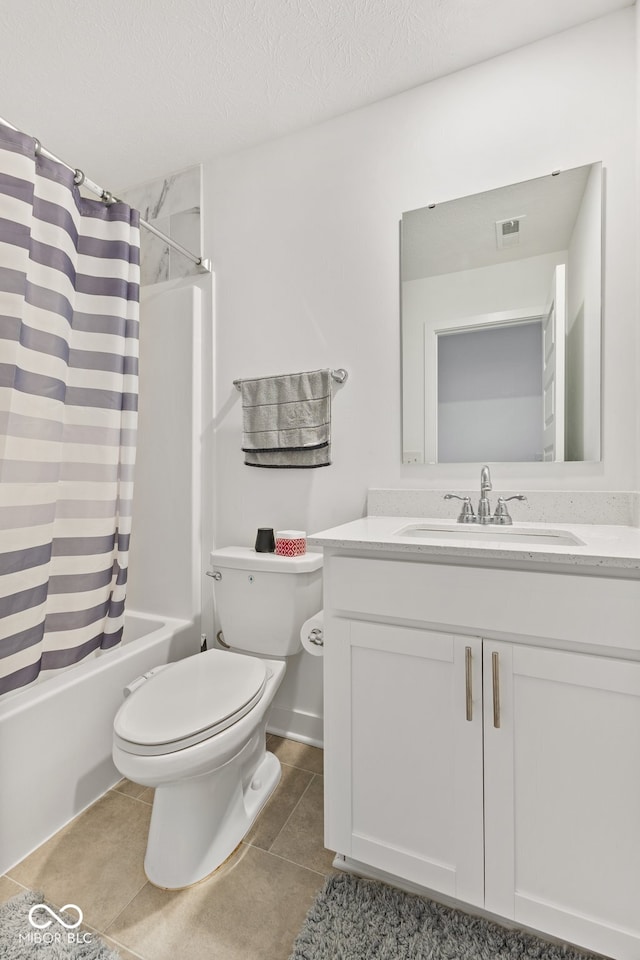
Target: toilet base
[204,879]
[197,824]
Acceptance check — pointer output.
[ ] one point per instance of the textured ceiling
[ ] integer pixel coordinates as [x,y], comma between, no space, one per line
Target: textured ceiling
[132,89]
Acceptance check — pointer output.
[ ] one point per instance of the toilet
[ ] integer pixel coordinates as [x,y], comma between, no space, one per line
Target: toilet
[196,729]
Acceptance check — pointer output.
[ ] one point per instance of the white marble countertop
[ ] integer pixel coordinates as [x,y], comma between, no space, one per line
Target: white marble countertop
[601,546]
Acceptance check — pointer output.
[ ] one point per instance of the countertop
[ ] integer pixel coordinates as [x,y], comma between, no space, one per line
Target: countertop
[605,546]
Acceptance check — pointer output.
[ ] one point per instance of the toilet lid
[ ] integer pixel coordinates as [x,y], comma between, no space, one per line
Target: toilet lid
[191,701]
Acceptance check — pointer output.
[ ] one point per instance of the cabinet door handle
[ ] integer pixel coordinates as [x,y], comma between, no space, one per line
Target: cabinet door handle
[495,675]
[468,676]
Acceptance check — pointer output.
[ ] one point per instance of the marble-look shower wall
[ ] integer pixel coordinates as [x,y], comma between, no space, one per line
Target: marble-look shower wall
[173,205]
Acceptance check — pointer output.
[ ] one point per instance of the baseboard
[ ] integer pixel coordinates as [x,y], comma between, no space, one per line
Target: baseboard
[296,725]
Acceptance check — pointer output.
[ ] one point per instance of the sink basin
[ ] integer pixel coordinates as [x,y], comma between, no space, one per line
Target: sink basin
[477,533]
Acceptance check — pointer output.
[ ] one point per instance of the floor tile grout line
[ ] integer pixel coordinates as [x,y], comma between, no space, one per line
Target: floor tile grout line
[92,928]
[96,929]
[267,849]
[6,875]
[293,863]
[287,763]
[123,946]
[104,928]
[128,795]
[149,803]
[68,826]
[127,904]
[297,804]
[59,906]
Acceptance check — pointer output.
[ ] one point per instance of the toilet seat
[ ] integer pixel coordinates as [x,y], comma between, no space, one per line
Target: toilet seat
[192,701]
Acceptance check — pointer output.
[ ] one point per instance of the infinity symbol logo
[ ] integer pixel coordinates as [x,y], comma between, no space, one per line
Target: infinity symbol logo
[47,923]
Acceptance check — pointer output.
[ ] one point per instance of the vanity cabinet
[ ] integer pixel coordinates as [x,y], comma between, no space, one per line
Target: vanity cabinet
[405,766]
[500,768]
[562,794]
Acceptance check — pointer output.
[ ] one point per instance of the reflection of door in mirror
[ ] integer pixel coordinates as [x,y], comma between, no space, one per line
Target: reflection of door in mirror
[475,296]
[553,375]
[489,390]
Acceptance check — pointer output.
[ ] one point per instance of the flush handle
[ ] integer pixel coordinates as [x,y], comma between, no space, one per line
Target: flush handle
[214,574]
[468,675]
[495,676]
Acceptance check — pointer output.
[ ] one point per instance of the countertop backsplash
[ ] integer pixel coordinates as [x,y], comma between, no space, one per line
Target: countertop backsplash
[542,506]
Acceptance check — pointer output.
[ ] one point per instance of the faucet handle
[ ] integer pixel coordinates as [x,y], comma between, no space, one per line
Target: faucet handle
[502,511]
[466,514]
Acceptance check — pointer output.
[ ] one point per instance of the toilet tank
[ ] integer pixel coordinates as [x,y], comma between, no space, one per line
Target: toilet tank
[262,599]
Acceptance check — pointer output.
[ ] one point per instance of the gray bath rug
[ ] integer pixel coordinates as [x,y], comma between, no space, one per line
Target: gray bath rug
[354,919]
[60,940]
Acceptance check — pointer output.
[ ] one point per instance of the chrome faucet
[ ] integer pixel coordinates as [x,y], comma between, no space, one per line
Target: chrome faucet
[501,516]
[484,507]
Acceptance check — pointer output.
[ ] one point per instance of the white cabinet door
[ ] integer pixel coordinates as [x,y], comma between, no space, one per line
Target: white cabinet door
[403,729]
[562,794]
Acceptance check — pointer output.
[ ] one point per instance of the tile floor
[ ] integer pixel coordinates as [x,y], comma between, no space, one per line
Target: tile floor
[251,909]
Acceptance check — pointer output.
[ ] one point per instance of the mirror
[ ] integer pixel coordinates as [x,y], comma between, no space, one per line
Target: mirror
[501,323]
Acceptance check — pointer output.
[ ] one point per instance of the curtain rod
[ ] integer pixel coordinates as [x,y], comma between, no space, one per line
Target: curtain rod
[108,198]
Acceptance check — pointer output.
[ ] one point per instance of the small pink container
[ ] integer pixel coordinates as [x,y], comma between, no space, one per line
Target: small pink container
[291,543]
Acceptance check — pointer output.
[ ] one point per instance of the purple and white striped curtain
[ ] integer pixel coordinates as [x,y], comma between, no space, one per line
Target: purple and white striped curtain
[69,290]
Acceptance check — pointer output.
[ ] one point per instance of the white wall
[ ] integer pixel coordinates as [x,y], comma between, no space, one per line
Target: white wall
[304,235]
[303,232]
[636,9]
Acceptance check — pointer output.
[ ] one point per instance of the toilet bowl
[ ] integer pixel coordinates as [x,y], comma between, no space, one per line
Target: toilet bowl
[196,730]
[210,783]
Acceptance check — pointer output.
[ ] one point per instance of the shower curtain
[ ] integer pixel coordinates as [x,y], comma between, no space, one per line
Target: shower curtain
[69,290]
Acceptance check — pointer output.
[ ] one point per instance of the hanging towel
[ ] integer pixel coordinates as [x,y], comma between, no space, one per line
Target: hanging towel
[287,420]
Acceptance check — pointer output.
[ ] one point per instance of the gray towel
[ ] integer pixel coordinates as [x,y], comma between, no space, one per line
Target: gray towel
[287,420]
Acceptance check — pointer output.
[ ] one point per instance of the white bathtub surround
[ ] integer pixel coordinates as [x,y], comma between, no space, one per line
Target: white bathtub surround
[171,204]
[544,506]
[165,566]
[56,737]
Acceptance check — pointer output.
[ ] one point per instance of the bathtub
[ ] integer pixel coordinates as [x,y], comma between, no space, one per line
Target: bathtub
[55,735]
